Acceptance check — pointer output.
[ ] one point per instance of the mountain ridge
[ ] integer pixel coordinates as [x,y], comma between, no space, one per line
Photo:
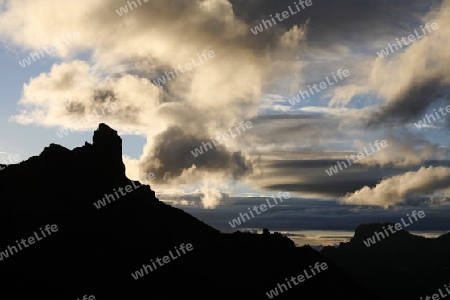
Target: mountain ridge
[394,266]
[95,251]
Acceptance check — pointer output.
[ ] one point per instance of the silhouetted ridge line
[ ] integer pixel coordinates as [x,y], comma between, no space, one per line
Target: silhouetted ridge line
[96,250]
[391,264]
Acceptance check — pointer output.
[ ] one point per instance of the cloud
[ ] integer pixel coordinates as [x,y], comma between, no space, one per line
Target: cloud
[337,22]
[172,156]
[211,198]
[72,91]
[122,56]
[208,197]
[398,189]
[413,100]
[403,149]
[411,79]
[116,59]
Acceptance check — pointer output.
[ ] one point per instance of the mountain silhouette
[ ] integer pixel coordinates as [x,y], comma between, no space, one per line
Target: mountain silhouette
[97,247]
[399,266]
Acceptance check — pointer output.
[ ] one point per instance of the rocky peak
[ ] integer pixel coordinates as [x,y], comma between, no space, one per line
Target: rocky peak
[107,138]
[108,146]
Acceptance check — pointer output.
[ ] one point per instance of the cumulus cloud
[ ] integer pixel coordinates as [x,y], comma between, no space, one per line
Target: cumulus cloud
[397,189]
[211,197]
[72,91]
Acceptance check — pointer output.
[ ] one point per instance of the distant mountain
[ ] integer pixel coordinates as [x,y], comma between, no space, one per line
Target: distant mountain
[104,234]
[398,266]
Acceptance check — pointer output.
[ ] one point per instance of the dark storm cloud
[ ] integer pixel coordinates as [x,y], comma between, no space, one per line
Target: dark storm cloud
[171,156]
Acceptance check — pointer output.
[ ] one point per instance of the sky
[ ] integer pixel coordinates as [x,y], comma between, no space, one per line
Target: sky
[320,99]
